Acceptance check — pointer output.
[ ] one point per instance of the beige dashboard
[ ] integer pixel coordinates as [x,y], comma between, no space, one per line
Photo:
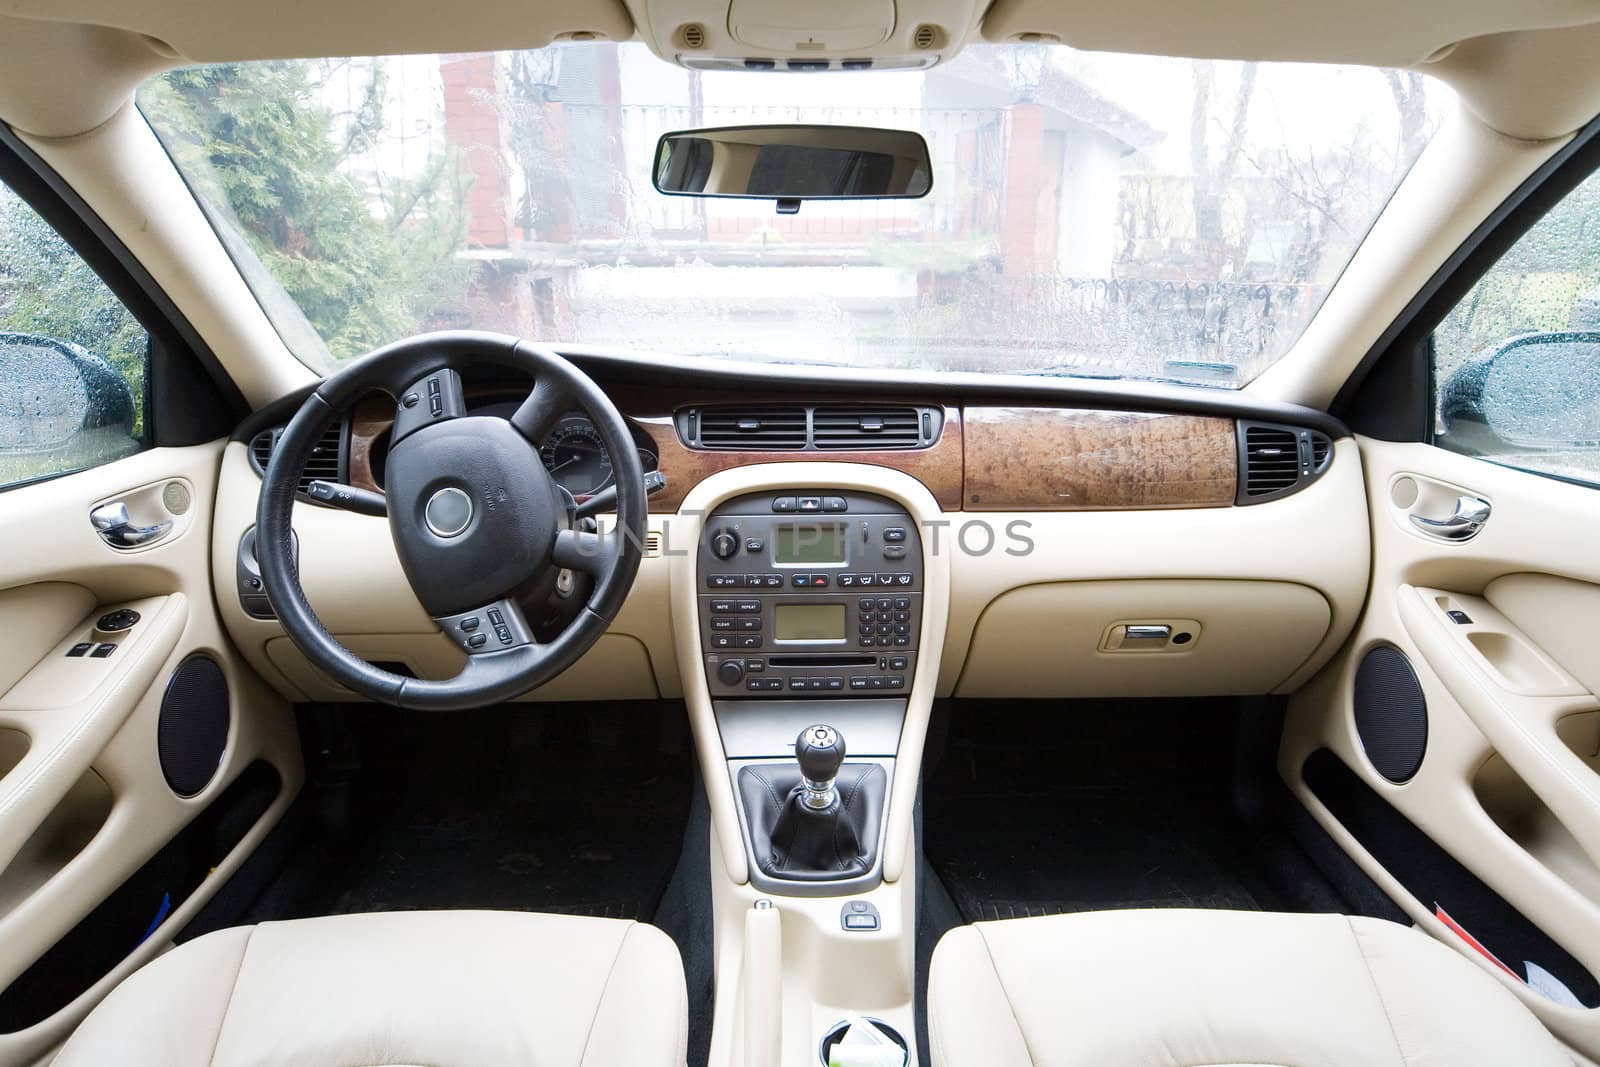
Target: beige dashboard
[1064,527]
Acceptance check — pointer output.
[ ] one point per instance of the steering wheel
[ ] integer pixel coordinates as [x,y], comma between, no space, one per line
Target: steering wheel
[476,519]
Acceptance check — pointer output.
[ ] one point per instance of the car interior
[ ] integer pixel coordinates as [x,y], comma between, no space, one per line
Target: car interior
[954,533]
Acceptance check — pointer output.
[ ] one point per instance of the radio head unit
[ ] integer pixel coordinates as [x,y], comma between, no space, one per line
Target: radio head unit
[809,593]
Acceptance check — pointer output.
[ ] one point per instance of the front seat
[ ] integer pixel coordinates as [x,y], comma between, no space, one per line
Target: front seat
[1178,988]
[444,988]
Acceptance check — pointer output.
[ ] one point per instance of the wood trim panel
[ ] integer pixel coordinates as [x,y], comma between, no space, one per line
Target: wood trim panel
[370,419]
[1066,459]
[938,467]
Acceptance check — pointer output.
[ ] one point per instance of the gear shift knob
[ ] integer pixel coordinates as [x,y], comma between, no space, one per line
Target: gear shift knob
[820,750]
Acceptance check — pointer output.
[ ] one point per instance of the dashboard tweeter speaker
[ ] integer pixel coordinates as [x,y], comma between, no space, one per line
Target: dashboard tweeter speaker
[1391,713]
[192,731]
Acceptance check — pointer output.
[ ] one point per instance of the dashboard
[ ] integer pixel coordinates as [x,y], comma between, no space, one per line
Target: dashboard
[1125,544]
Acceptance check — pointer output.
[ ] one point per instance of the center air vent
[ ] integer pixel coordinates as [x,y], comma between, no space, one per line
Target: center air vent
[324,463]
[755,429]
[1276,460]
[815,428]
[834,428]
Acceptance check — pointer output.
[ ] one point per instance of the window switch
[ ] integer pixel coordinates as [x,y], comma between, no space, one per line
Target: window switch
[859,915]
[102,651]
[80,649]
[1460,618]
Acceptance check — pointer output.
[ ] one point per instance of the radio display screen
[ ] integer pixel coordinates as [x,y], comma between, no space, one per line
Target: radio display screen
[809,622]
[810,544]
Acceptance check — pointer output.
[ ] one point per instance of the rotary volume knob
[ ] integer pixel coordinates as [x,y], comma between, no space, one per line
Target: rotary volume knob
[724,544]
[730,672]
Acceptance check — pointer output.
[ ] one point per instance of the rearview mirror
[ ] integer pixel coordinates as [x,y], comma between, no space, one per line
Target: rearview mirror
[794,163]
[1537,391]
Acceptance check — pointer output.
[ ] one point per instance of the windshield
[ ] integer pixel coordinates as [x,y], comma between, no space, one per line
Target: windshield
[1091,214]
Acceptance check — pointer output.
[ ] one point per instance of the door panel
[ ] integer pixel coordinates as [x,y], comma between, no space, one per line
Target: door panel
[1507,785]
[84,802]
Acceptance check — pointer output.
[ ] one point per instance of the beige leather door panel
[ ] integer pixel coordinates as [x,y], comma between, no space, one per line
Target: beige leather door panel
[1486,579]
[84,801]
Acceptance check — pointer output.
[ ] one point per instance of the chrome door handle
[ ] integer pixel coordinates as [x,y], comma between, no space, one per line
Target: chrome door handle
[1471,513]
[111,522]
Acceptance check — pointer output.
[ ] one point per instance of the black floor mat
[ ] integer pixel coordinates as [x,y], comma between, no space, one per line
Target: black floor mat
[1039,808]
[577,809]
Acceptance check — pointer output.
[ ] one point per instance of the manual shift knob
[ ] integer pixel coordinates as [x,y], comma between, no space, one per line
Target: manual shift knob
[820,750]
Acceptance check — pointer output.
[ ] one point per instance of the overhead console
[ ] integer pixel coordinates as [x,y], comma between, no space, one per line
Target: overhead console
[820,35]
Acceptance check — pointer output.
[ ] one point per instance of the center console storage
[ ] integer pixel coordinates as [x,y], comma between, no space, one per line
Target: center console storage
[810,594]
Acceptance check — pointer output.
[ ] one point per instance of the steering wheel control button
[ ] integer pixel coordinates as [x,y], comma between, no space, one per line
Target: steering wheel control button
[445,401]
[477,640]
[411,400]
[448,512]
[469,624]
[113,622]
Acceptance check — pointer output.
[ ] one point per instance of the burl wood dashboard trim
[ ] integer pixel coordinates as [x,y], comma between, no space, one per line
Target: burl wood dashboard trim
[938,467]
[1066,459]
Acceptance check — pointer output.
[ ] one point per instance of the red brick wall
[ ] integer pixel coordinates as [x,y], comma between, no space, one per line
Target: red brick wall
[1024,157]
[471,123]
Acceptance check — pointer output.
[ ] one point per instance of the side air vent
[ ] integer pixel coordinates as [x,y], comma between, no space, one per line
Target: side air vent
[868,428]
[810,427]
[326,462]
[753,429]
[1277,460]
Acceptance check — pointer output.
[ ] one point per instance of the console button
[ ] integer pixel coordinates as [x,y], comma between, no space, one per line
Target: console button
[722,624]
[867,641]
[869,616]
[902,579]
[797,684]
[858,681]
[901,602]
[897,663]
[902,641]
[865,603]
[747,624]
[718,607]
[896,681]
[723,581]
[809,503]
[884,579]
[755,684]
[846,581]
[730,671]
[819,581]
[894,534]
[876,682]
[756,666]
[772,581]
[800,581]
[834,683]
[783,503]
[894,551]
[884,603]
[865,580]
[723,641]
[902,616]
[754,544]
[834,503]
[749,642]
[743,607]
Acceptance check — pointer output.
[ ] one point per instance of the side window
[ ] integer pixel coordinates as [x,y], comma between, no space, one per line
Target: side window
[1517,361]
[73,359]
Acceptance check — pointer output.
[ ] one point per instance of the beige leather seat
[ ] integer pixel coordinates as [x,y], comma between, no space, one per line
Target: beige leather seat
[445,989]
[1182,988]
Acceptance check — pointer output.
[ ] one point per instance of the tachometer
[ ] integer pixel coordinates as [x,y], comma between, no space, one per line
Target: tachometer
[576,457]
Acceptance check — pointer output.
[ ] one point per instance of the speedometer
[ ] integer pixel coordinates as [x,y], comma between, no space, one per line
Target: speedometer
[576,457]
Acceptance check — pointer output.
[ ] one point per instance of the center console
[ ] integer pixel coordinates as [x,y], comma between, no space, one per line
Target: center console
[810,594]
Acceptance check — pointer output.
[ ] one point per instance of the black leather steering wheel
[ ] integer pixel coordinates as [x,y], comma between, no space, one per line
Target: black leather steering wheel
[475,516]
